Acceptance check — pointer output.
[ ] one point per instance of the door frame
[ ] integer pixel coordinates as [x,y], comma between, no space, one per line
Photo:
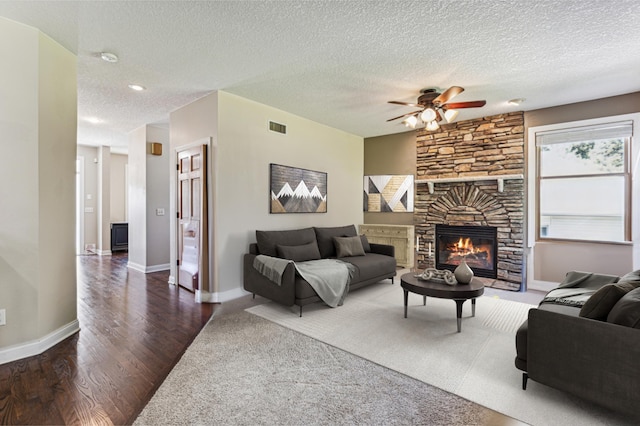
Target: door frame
[207,292]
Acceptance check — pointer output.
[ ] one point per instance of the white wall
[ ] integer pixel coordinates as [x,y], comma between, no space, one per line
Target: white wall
[149,177]
[138,199]
[158,176]
[118,190]
[244,148]
[37,243]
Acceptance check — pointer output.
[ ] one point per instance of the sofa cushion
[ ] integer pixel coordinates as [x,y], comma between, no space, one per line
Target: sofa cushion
[365,243]
[348,246]
[371,265]
[299,253]
[325,238]
[627,311]
[600,304]
[268,240]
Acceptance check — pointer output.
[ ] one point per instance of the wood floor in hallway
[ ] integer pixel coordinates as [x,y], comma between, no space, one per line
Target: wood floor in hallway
[134,329]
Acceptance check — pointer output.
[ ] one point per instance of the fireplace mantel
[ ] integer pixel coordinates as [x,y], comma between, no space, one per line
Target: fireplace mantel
[499,178]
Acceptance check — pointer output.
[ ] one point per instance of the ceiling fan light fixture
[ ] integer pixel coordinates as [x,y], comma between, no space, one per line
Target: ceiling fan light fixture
[428,115]
[411,121]
[516,101]
[432,125]
[450,115]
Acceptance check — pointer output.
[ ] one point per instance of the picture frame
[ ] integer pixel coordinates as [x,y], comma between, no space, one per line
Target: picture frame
[296,190]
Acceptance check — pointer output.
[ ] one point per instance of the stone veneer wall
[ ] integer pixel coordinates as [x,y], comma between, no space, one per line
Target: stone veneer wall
[488,146]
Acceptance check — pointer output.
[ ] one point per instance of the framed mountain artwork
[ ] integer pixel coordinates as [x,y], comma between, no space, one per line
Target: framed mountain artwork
[294,190]
[388,193]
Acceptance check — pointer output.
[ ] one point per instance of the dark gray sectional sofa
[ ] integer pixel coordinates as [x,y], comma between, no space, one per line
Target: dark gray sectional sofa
[584,339]
[375,264]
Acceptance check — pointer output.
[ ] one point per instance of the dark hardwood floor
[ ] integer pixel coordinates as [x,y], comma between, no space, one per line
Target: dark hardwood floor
[134,329]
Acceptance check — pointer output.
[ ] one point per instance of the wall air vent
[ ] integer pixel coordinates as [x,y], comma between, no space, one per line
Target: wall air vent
[277,127]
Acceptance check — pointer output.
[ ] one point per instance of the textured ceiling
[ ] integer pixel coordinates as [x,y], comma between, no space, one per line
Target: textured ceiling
[337,62]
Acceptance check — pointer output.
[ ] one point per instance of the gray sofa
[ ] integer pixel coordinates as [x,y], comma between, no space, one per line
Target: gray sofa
[584,339]
[376,263]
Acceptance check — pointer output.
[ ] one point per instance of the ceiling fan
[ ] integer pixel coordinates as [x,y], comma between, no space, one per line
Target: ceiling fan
[433,106]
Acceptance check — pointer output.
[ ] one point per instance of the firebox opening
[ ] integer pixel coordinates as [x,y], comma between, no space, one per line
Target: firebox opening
[477,245]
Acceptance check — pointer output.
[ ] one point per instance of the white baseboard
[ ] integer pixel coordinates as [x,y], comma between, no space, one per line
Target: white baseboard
[36,347]
[172,280]
[147,269]
[158,268]
[103,252]
[136,267]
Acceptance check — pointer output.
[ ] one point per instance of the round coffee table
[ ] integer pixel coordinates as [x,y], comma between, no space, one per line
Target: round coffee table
[459,293]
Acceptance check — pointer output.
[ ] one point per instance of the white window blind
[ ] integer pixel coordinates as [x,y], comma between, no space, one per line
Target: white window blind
[622,129]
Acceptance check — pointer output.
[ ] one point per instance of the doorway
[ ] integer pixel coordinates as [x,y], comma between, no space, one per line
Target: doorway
[192,226]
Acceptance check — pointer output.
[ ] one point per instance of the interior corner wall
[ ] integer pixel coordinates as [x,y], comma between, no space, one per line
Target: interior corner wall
[137,199]
[244,147]
[390,155]
[157,180]
[118,188]
[89,153]
[38,107]
[553,259]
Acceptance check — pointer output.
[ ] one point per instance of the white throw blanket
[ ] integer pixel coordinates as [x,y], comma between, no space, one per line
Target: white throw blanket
[329,278]
[271,267]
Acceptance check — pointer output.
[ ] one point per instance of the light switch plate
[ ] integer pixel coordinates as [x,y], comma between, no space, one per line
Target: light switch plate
[159,212]
[3,317]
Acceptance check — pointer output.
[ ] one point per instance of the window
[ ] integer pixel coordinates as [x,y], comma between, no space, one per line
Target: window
[584,183]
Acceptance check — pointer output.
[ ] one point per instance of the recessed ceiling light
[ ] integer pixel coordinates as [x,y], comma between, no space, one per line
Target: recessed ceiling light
[109,57]
[93,120]
[137,87]
[516,101]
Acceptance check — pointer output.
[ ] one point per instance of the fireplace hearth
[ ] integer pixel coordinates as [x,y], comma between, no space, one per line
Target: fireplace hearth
[477,245]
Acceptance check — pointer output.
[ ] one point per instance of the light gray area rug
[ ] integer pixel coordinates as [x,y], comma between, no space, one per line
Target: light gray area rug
[245,370]
[476,364]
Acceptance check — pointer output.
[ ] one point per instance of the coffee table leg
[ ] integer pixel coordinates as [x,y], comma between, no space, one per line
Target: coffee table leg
[473,307]
[459,303]
[406,301]
[424,300]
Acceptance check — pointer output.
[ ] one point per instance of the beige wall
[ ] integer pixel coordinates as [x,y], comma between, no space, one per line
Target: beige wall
[118,189]
[390,155]
[138,199]
[90,193]
[552,260]
[38,128]
[244,148]
[157,180]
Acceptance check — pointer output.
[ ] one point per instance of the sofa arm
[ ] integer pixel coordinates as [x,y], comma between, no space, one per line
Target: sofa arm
[385,249]
[592,359]
[256,283]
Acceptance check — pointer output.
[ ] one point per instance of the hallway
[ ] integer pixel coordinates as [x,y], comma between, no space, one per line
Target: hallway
[134,329]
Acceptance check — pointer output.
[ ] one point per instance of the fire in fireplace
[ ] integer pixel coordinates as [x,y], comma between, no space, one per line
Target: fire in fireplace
[476,244]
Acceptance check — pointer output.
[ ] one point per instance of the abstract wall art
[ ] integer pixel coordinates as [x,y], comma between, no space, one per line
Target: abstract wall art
[295,190]
[388,193]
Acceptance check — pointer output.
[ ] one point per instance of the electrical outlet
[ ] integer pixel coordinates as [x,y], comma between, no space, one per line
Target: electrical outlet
[3,317]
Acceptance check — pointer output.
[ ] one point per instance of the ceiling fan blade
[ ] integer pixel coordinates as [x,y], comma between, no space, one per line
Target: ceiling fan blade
[405,103]
[448,94]
[404,115]
[470,104]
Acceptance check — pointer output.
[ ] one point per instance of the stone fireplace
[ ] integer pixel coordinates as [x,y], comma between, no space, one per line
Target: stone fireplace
[471,174]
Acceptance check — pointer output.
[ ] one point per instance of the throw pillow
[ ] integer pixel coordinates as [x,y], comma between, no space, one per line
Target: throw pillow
[268,240]
[365,243]
[299,253]
[348,246]
[324,236]
[627,311]
[600,304]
